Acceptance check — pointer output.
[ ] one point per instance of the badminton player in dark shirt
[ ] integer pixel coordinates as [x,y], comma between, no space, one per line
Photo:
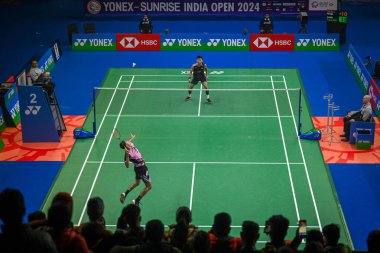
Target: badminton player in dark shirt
[198,73]
[132,154]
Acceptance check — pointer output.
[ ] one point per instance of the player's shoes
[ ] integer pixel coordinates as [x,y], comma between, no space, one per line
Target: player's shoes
[187,98]
[122,197]
[136,202]
[209,101]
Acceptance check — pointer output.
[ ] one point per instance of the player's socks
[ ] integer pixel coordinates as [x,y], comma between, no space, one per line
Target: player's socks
[188,96]
[137,201]
[122,197]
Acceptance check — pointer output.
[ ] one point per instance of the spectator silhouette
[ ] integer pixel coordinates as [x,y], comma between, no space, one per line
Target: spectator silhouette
[249,236]
[331,235]
[201,242]
[16,236]
[373,242]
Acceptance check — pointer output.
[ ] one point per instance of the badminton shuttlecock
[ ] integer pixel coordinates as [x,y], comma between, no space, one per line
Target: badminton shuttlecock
[133,65]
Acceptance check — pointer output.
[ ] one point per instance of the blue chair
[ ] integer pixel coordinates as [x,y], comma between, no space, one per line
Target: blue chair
[362,125]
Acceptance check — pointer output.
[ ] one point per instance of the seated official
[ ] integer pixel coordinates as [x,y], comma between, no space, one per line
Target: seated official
[36,73]
[364,114]
[146,26]
[266,24]
[41,78]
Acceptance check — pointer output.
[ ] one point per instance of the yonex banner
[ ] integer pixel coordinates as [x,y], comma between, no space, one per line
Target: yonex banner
[138,42]
[205,42]
[47,63]
[2,122]
[316,42]
[373,91]
[360,71]
[12,104]
[272,42]
[94,42]
[190,7]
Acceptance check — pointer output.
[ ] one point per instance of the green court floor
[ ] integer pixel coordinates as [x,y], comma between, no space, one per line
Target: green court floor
[239,154]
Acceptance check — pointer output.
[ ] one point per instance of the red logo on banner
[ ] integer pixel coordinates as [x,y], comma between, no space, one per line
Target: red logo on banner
[272,42]
[138,42]
[373,91]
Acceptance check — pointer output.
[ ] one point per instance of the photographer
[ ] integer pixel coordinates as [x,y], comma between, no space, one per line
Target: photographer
[146,26]
[266,24]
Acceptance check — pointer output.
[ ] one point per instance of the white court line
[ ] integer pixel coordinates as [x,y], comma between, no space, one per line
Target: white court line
[303,158]
[93,141]
[104,155]
[286,152]
[200,101]
[222,75]
[182,89]
[196,116]
[192,187]
[180,81]
[170,162]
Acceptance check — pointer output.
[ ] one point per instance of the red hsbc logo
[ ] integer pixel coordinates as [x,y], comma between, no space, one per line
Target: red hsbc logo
[138,42]
[272,42]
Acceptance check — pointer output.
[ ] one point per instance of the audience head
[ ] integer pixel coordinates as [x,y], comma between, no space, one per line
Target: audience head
[183,214]
[277,228]
[314,247]
[65,198]
[34,63]
[250,232]
[373,241]
[95,209]
[201,242]
[314,236]
[37,215]
[331,234]
[154,231]
[221,226]
[12,206]
[59,216]
[131,215]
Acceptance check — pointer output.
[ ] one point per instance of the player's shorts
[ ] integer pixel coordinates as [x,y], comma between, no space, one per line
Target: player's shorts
[143,174]
[196,80]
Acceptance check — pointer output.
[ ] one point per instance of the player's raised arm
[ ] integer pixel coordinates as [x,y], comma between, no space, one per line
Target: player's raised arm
[132,137]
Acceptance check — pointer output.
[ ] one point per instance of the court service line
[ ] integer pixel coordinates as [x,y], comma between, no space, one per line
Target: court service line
[104,155]
[170,162]
[192,187]
[286,153]
[213,75]
[303,158]
[196,116]
[182,81]
[93,141]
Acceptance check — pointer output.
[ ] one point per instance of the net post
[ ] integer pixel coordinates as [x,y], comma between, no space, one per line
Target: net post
[299,112]
[94,109]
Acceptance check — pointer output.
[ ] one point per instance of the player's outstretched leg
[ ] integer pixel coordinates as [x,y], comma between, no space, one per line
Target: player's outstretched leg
[191,86]
[123,195]
[148,187]
[207,92]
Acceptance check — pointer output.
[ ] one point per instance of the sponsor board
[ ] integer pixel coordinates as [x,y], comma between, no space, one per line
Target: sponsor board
[12,104]
[374,92]
[316,42]
[191,7]
[47,63]
[271,42]
[196,42]
[138,42]
[2,122]
[94,42]
[323,5]
[359,70]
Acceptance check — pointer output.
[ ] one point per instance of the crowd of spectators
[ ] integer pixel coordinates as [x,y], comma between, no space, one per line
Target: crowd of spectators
[55,232]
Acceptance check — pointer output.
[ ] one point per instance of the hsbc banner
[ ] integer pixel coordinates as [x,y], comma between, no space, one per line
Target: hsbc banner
[272,42]
[94,42]
[374,92]
[204,42]
[357,67]
[138,42]
[316,42]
